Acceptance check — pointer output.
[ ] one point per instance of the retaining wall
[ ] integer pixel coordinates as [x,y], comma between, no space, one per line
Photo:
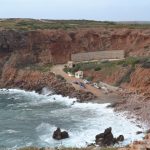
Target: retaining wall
[98,55]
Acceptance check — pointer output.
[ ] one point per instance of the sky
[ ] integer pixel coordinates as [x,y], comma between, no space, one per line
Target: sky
[104,10]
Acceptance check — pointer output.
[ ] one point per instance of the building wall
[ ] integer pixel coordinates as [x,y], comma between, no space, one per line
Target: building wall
[99,55]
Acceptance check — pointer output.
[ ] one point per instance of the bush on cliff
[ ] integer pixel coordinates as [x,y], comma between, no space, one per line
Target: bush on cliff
[97,68]
[89,78]
[146,64]
[61,78]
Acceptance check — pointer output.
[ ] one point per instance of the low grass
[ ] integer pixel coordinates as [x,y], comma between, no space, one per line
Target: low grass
[126,77]
[31,24]
[44,68]
[29,148]
[36,67]
[109,67]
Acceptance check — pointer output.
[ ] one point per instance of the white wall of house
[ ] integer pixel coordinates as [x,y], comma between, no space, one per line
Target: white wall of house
[79,74]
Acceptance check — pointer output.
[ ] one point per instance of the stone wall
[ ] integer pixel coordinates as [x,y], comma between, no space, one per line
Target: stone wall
[98,55]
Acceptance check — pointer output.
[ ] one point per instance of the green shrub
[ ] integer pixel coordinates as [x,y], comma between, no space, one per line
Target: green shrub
[59,77]
[146,64]
[89,78]
[97,68]
[43,68]
[66,69]
[126,77]
[29,148]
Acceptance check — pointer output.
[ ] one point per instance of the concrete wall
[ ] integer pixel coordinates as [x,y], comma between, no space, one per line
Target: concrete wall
[98,55]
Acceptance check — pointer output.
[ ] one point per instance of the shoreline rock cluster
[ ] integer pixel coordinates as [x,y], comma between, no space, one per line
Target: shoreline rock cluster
[103,139]
[136,104]
[35,81]
[139,145]
[107,139]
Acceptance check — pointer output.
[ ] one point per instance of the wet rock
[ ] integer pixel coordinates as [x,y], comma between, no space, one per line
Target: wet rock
[64,135]
[58,135]
[91,145]
[112,105]
[107,131]
[120,138]
[107,138]
[139,132]
[101,135]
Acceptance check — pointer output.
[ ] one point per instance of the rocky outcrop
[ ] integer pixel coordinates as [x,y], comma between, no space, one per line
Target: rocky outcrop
[36,80]
[139,145]
[107,138]
[140,79]
[58,135]
[136,104]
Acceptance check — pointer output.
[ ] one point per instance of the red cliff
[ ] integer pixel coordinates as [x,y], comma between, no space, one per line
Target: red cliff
[21,49]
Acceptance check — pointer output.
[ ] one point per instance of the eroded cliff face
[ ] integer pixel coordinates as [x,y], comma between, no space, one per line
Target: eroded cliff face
[56,46]
[140,79]
[19,49]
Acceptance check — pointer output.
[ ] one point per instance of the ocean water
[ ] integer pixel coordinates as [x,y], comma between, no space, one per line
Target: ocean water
[29,119]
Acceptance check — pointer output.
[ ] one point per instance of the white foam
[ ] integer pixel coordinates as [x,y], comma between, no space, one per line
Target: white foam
[41,99]
[88,126]
[10,131]
[46,91]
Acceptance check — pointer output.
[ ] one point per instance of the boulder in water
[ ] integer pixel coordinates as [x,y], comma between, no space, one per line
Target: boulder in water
[139,132]
[107,138]
[64,135]
[58,135]
[120,138]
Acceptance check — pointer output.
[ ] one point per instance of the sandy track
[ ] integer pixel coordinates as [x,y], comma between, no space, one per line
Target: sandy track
[101,96]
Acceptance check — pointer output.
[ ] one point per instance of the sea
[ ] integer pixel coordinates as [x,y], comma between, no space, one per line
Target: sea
[29,119]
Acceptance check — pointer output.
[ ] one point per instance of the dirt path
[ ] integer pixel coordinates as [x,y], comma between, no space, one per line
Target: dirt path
[58,70]
[100,94]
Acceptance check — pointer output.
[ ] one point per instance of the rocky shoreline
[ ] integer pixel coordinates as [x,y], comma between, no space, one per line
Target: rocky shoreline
[135,105]
[35,81]
[26,79]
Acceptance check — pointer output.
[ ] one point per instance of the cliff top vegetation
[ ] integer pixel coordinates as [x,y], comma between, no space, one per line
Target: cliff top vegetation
[32,24]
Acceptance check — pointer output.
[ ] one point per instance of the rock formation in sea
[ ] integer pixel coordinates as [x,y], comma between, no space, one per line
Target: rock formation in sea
[59,135]
[107,138]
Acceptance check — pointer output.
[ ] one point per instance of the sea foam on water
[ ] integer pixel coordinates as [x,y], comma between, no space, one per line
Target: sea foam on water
[35,117]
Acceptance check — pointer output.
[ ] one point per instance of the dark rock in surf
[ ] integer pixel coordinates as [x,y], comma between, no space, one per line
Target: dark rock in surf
[64,135]
[107,138]
[139,132]
[58,135]
[120,138]
[113,105]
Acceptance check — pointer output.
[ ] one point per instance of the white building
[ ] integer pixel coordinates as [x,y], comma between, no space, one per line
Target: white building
[79,74]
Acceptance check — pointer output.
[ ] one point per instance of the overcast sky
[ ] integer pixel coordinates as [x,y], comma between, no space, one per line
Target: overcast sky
[114,10]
